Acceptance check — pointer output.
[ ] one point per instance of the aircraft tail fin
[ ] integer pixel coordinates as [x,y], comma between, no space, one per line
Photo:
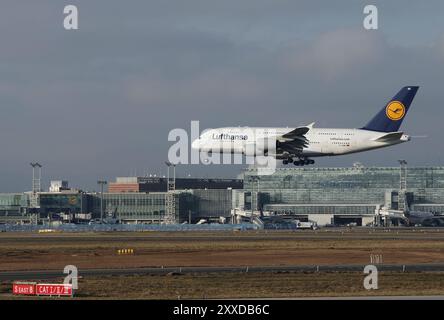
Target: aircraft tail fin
[389,119]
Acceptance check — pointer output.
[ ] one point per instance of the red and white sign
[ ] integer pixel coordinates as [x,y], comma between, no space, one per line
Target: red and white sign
[23,288]
[53,289]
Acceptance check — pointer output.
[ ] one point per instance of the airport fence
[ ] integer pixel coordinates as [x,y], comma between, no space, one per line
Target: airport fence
[126,227]
[280,226]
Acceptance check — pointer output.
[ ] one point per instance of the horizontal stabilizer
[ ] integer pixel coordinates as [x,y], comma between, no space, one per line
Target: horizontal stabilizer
[392,136]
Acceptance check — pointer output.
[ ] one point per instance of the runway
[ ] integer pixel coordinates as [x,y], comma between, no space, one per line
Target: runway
[278,235]
[51,274]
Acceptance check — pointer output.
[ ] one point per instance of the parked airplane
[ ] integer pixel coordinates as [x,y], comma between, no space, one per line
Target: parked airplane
[425,219]
[298,145]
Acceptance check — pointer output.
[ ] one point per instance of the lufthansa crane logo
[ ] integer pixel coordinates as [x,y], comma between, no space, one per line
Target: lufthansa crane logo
[395,110]
[72,200]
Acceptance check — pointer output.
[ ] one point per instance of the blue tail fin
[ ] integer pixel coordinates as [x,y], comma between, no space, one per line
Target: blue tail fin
[389,119]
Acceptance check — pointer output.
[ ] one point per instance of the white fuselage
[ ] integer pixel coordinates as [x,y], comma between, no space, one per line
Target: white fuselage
[321,141]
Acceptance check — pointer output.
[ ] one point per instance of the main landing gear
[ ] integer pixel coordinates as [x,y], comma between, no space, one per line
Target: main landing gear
[300,162]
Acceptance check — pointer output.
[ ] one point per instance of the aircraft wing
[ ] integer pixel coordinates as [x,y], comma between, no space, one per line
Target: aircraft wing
[296,133]
[295,140]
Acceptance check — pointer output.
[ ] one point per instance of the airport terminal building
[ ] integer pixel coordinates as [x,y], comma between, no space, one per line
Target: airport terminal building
[335,195]
[194,199]
[324,195]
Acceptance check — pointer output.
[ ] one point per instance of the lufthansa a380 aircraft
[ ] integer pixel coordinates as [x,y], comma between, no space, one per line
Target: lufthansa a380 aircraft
[298,145]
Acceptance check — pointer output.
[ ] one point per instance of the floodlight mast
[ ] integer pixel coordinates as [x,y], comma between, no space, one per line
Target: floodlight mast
[170,200]
[101,183]
[402,201]
[36,184]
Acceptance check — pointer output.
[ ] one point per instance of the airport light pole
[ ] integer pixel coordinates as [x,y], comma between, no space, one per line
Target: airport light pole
[402,201]
[36,177]
[169,165]
[403,174]
[101,183]
[170,202]
[254,179]
[36,188]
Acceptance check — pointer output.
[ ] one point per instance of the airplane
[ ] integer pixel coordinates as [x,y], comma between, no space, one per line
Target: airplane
[424,218]
[298,145]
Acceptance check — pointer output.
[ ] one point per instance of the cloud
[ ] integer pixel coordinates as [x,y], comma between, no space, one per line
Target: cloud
[335,53]
[201,90]
[439,45]
[101,101]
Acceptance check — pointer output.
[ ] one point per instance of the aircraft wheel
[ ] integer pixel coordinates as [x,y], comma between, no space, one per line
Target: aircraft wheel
[290,160]
[312,161]
[285,161]
[296,163]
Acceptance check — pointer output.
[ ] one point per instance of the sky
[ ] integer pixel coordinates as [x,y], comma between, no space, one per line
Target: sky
[99,102]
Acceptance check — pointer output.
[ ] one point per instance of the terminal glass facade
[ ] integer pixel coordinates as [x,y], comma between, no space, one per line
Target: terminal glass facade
[355,186]
[212,203]
[148,207]
[66,203]
[12,203]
